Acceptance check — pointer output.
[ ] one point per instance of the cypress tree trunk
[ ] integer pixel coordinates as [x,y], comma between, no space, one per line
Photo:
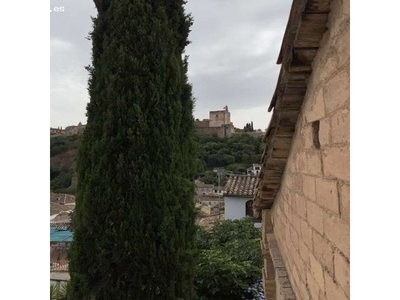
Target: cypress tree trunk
[134,219]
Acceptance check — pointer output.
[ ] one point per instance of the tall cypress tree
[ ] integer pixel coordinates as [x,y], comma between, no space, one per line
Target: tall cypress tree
[134,219]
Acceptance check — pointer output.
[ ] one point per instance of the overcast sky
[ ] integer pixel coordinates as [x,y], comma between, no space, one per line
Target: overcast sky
[235,45]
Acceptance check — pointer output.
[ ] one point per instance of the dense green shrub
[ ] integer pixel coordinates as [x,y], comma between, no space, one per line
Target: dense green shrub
[230,261]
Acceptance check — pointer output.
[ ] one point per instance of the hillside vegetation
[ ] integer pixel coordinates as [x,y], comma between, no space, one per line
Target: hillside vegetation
[63,152]
[234,154]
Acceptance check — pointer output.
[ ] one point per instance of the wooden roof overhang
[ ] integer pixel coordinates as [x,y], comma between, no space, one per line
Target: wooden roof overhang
[305,28]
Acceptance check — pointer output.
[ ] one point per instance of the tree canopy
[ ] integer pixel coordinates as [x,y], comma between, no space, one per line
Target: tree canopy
[230,262]
[134,232]
[222,152]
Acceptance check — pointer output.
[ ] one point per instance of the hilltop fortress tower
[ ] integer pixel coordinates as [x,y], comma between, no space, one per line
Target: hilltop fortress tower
[218,124]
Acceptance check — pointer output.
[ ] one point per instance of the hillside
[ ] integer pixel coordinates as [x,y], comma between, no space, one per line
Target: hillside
[234,154]
[63,152]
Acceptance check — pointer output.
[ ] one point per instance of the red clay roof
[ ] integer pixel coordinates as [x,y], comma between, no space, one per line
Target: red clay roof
[240,186]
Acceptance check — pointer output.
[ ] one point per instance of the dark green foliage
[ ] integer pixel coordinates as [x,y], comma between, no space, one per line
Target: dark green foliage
[230,260]
[61,180]
[223,152]
[249,127]
[63,155]
[62,144]
[134,233]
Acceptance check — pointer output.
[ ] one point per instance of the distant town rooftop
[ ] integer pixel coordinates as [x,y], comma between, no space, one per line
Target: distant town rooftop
[240,186]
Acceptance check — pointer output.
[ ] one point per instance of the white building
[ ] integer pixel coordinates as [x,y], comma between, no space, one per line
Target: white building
[254,170]
[203,189]
[238,198]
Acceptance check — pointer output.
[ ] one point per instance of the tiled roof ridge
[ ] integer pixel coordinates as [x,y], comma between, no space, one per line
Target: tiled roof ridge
[240,185]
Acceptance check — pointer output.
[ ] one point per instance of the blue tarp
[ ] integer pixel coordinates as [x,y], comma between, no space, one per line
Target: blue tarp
[60,235]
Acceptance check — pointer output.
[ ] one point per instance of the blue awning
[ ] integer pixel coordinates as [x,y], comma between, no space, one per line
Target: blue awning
[60,235]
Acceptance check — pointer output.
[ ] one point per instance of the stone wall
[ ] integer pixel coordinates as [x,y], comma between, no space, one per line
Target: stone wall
[311,213]
[219,118]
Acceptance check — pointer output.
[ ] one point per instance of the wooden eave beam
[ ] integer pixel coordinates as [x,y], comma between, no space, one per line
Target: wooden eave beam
[305,28]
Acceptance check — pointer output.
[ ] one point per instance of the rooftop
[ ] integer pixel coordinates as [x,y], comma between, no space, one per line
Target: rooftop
[60,235]
[240,185]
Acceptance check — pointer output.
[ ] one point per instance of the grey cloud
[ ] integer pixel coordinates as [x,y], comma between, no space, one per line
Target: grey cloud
[232,61]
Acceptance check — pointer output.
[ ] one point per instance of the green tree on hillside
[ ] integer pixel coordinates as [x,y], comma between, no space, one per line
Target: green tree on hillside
[248,127]
[222,152]
[134,232]
[230,261]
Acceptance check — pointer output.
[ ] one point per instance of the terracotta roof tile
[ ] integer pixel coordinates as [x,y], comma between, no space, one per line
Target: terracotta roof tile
[240,185]
[63,267]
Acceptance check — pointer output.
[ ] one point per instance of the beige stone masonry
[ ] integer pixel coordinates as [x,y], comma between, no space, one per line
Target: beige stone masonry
[317,271]
[327,194]
[316,107]
[332,289]
[342,274]
[309,236]
[337,231]
[315,290]
[315,216]
[336,163]
[325,132]
[323,251]
[309,187]
[341,126]
[344,195]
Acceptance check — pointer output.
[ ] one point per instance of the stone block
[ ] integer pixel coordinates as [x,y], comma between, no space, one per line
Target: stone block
[317,271]
[323,251]
[336,162]
[301,205]
[294,236]
[313,164]
[304,293]
[309,187]
[337,231]
[337,92]
[342,43]
[287,294]
[296,222]
[327,194]
[315,216]
[306,234]
[324,132]
[287,232]
[315,290]
[286,209]
[341,126]
[342,272]
[344,195]
[307,137]
[295,276]
[294,182]
[300,161]
[332,290]
[304,253]
[315,108]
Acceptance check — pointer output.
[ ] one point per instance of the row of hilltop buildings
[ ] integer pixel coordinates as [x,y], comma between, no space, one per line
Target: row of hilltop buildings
[69,130]
[219,124]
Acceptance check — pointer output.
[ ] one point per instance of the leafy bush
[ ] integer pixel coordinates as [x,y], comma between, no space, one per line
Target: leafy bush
[222,152]
[62,181]
[62,144]
[230,261]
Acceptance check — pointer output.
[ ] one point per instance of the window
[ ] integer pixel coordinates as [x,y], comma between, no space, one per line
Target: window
[249,208]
